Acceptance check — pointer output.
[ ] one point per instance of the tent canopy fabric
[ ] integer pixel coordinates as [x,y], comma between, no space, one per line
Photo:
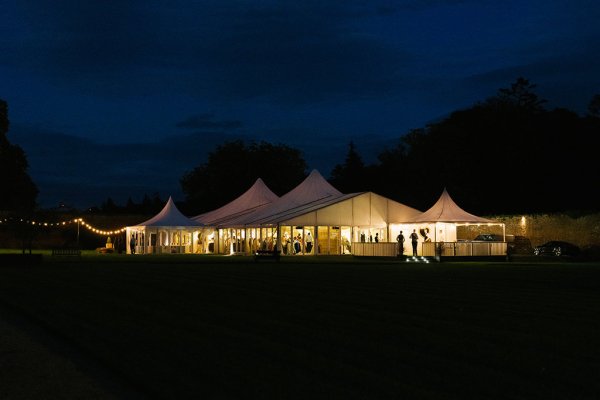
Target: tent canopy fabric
[314,189]
[446,210]
[302,209]
[252,199]
[170,216]
[354,209]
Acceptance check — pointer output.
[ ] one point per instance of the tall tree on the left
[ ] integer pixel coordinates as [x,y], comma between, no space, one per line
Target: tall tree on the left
[19,193]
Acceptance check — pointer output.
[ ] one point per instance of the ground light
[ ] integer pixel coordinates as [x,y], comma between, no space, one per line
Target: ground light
[418,259]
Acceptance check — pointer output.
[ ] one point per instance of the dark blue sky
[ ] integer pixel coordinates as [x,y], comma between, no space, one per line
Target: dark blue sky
[112,98]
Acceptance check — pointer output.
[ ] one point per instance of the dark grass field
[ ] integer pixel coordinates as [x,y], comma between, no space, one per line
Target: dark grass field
[225,327]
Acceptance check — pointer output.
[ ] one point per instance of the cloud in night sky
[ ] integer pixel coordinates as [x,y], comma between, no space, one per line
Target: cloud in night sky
[310,74]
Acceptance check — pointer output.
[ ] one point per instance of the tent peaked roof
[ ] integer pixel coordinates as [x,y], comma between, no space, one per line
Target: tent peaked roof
[170,216]
[258,195]
[446,210]
[312,189]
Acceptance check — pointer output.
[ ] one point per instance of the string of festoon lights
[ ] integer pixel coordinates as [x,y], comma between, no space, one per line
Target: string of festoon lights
[79,221]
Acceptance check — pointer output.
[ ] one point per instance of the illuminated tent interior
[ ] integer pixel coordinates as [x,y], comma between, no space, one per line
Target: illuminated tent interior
[169,231]
[255,198]
[442,223]
[313,218]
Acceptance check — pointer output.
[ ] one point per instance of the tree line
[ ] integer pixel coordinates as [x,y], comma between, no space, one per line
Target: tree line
[506,154]
[147,206]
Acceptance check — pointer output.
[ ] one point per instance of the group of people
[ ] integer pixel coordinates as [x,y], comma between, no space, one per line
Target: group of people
[414,238]
[297,244]
[363,238]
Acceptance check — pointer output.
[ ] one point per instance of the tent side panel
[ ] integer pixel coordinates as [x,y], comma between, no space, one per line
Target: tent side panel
[379,210]
[399,213]
[339,214]
[362,209]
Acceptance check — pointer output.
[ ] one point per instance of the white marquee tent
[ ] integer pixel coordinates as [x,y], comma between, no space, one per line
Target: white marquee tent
[312,218]
[443,218]
[169,231]
[232,240]
[317,216]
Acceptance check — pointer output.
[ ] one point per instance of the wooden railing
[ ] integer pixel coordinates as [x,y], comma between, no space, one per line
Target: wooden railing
[375,249]
[464,249]
[432,249]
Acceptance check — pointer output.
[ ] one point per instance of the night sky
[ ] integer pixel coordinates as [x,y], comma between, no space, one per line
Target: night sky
[120,98]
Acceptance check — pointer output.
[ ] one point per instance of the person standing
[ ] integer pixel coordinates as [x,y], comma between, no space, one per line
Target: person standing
[440,243]
[132,244]
[377,238]
[286,243]
[400,240]
[415,241]
[309,243]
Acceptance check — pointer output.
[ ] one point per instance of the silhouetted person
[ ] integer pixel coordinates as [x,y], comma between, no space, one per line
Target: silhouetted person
[132,244]
[415,240]
[377,238]
[400,240]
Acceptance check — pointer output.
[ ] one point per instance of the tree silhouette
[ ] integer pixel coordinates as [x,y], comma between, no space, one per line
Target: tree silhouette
[504,155]
[520,94]
[594,106]
[19,193]
[351,176]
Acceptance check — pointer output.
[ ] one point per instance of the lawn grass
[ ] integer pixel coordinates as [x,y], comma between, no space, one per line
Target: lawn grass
[226,327]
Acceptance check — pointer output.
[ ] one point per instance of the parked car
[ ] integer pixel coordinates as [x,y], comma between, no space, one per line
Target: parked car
[556,248]
[489,237]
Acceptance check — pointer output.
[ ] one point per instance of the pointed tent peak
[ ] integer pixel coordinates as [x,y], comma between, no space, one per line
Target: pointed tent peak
[446,210]
[445,197]
[315,174]
[168,207]
[169,216]
[313,187]
[256,196]
[316,180]
[260,187]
